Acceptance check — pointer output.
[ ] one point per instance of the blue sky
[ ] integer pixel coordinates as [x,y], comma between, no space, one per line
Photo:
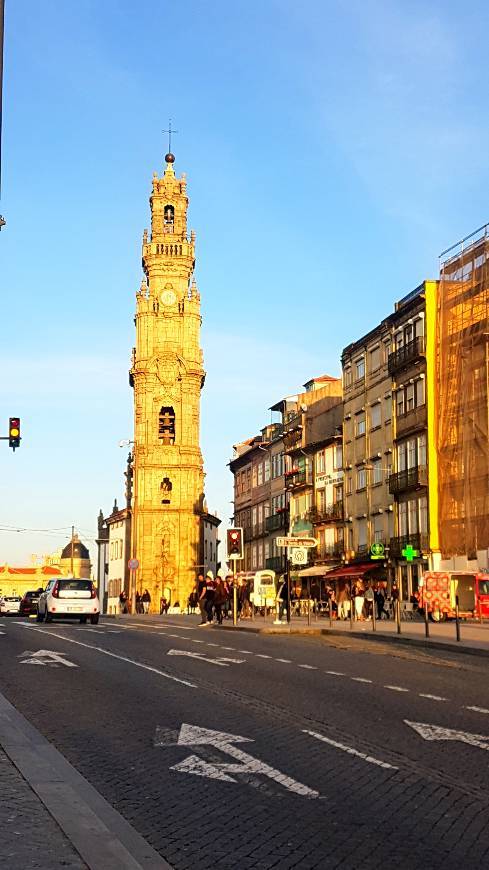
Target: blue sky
[332,150]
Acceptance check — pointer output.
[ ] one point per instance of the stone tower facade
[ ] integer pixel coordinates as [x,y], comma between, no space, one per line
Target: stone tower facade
[167,376]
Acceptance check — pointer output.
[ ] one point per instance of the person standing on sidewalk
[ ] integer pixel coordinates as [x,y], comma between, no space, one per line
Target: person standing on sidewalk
[146,599]
[344,602]
[369,601]
[359,600]
[282,597]
[220,597]
[210,592]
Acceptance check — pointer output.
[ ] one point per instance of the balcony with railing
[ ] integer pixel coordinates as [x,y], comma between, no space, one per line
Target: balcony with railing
[406,354]
[411,478]
[277,521]
[327,513]
[329,552]
[298,477]
[418,541]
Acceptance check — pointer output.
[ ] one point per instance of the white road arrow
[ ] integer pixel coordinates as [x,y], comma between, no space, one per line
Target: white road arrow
[243,763]
[45,657]
[222,661]
[436,732]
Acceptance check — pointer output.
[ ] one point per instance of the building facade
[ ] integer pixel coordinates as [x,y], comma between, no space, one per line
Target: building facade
[167,376]
[209,544]
[119,550]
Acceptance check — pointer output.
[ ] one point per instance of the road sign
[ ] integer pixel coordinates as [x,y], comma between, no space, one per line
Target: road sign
[298,555]
[377,550]
[296,542]
[133,564]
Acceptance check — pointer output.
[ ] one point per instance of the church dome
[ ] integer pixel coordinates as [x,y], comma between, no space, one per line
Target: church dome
[79,550]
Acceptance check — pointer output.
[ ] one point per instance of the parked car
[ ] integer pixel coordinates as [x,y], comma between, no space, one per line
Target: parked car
[69,598]
[28,605]
[9,605]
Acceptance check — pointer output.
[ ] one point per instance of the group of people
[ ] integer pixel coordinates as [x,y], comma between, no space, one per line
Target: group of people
[364,599]
[213,596]
[143,602]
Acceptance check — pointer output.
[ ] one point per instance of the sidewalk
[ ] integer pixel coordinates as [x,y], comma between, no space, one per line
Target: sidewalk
[30,839]
[474,638]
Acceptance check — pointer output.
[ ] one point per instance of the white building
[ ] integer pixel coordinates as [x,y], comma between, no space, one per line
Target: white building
[119,548]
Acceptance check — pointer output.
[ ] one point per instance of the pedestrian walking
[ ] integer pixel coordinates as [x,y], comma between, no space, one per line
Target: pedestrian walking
[359,600]
[210,592]
[123,602]
[380,602]
[344,603]
[201,590]
[146,599]
[220,597]
[139,608]
[282,596]
[369,601]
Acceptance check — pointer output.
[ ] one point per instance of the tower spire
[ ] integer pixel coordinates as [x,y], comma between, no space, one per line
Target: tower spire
[170,158]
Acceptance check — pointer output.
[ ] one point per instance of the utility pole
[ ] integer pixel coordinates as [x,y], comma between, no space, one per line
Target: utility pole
[72,543]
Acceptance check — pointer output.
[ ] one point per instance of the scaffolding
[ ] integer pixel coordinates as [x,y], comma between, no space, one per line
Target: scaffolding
[462,377]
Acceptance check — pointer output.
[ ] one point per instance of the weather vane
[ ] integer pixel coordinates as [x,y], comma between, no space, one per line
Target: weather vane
[169,131]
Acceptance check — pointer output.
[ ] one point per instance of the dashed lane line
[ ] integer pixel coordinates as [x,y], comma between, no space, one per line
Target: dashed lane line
[258,655]
[349,749]
[360,680]
[477,709]
[308,667]
[285,661]
[431,697]
[335,673]
[396,688]
[112,655]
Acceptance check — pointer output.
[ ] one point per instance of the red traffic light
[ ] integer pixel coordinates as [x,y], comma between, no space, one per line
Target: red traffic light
[235,543]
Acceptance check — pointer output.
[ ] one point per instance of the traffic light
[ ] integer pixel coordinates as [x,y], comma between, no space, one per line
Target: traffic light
[14,432]
[235,543]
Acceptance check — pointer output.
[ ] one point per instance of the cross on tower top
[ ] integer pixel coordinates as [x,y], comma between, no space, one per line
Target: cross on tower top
[170,158]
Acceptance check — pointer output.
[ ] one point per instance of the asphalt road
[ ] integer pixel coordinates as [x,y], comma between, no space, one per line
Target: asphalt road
[318,766]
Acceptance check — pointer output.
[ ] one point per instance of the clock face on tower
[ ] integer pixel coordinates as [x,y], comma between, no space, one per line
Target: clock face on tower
[168,297]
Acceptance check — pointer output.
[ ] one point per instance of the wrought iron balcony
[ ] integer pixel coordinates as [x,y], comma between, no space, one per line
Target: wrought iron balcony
[411,478]
[277,521]
[334,551]
[406,355]
[419,541]
[328,513]
[298,478]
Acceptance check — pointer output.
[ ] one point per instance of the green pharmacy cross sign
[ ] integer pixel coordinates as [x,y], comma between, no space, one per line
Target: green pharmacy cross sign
[409,553]
[377,550]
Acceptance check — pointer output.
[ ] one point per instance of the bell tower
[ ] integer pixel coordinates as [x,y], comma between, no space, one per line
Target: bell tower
[167,376]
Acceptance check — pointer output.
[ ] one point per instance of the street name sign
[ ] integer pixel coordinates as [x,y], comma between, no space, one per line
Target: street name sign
[296,542]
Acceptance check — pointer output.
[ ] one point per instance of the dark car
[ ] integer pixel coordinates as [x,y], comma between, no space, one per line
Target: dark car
[28,605]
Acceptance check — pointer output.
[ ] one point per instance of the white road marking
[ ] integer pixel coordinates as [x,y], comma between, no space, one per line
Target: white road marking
[309,667]
[437,732]
[195,640]
[360,680]
[285,661]
[231,648]
[335,673]
[191,735]
[245,652]
[258,655]
[114,656]
[350,750]
[221,661]
[477,709]
[432,697]
[396,688]
[45,657]
[212,644]
[2,632]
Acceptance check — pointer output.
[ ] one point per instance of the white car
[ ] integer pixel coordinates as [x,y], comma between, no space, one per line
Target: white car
[9,604]
[69,597]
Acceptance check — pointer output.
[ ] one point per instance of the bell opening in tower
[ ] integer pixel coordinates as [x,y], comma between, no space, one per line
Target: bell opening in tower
[166,426]
[169,218]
